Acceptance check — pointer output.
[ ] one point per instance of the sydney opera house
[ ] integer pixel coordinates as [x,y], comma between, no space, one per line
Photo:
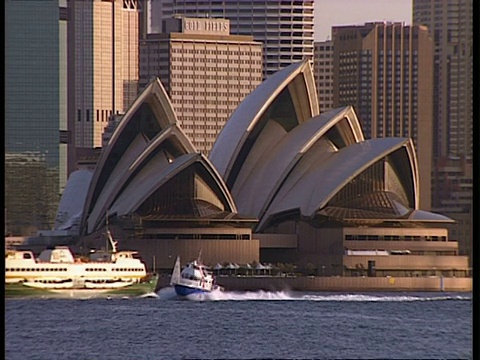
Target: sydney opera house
[282,183]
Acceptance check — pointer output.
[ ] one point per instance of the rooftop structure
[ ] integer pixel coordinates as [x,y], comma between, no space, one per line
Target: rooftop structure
[206,72]
[284,27]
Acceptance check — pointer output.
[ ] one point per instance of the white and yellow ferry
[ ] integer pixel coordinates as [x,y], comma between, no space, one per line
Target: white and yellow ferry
[58,271]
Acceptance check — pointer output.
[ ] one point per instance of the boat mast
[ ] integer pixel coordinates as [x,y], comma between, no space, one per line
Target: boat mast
[110,240]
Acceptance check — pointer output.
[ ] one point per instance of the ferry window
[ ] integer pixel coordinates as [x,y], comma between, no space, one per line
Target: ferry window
[27,256]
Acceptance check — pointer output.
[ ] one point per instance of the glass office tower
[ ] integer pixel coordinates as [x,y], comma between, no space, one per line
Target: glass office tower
[32,114]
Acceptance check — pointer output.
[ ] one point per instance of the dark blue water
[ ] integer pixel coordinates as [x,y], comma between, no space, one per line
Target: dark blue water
[249,325]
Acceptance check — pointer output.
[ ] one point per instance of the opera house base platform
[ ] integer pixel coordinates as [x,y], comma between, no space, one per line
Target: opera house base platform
[339,284]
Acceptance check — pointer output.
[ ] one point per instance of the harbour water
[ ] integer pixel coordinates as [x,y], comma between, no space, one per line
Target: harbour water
[242,325]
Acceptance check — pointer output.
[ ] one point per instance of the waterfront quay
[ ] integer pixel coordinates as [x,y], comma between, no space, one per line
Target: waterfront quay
[338,283]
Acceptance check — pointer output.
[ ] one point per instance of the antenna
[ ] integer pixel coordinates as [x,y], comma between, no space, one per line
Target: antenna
[110,240]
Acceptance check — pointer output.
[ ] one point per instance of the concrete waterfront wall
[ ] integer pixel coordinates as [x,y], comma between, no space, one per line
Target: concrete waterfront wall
[344,284]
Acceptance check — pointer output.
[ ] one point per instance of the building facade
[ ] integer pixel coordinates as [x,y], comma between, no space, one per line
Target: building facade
[385,70]
[103,67]
[35,111]
[323,71]
[284,27]
[206,71]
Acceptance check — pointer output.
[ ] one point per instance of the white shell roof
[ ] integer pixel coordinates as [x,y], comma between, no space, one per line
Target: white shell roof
[255,192]
[326,176]
[133,165]
[73,198]
[243,120]
[284,159]
[156,97]
[422,215]
[133,158]
[152,177]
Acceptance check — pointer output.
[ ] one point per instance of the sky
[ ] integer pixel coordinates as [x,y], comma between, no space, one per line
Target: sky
[330,13]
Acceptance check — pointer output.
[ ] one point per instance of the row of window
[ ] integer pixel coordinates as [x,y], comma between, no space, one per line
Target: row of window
[201,104]
[219,77]
[102,115]
[204,127]
[65,269]
[227,95]
[115,269]
[395,237]
[216,52]
[198,236]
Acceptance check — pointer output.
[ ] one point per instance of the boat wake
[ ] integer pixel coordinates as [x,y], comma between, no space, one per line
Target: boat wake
[168,293]
[383,298]
[149,295]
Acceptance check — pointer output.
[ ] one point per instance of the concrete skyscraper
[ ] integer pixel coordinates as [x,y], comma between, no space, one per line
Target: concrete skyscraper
[206,71]
[385,70]
[103,67]
[450,25]
[284,27]
[323,71]
[35,111]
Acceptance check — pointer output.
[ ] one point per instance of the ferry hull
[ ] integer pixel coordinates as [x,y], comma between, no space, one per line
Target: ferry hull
[182,290]
[137,289]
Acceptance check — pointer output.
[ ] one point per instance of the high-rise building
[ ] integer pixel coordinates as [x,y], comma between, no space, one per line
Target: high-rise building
[35,111]
[385,70]
[206,71]
[284,27]
[323,71]
[450,24]
[103,66]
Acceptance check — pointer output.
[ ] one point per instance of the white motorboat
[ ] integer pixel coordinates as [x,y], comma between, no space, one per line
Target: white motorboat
[194,278]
